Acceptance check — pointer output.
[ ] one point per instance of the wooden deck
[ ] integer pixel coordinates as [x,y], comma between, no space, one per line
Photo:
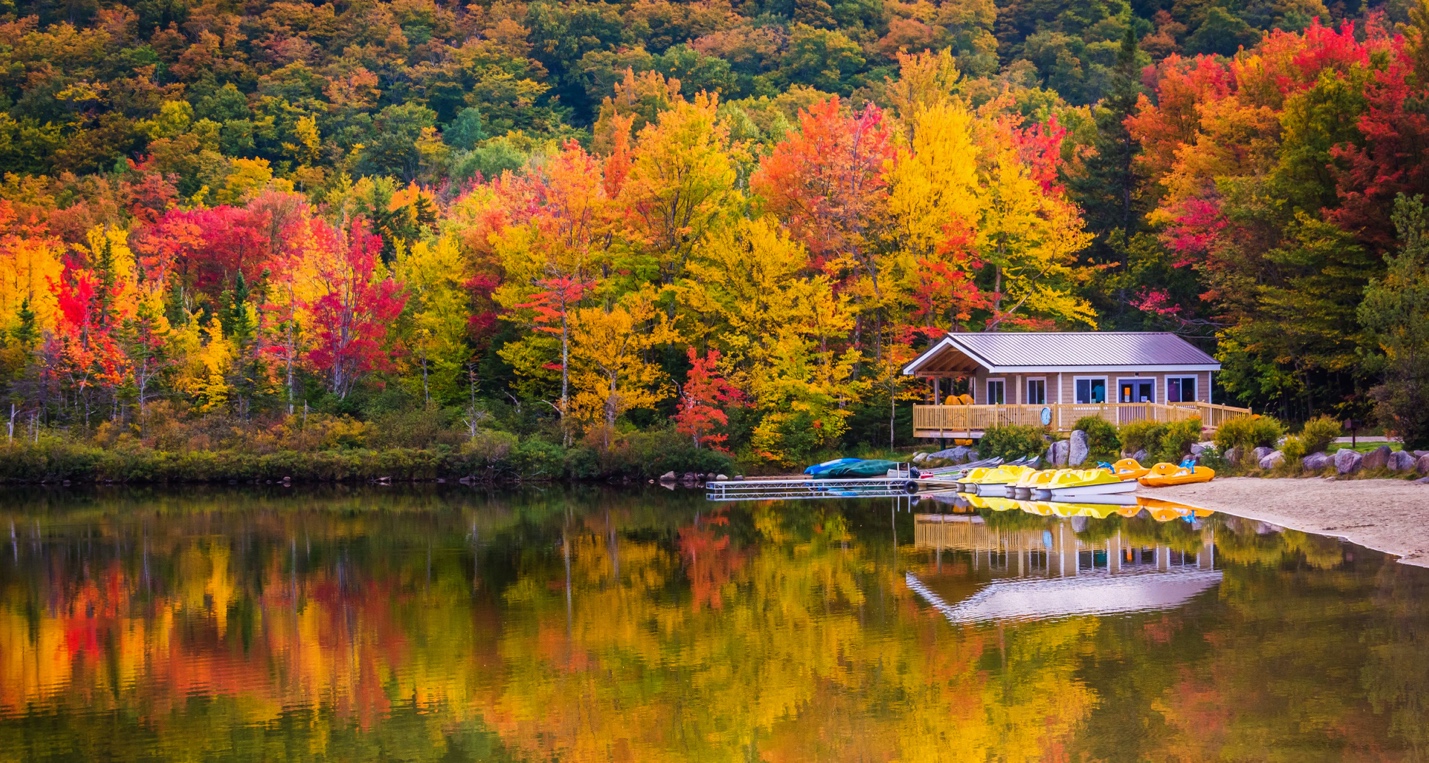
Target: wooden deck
[970,421]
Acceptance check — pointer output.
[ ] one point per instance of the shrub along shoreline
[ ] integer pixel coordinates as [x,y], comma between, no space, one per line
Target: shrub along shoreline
[505,461]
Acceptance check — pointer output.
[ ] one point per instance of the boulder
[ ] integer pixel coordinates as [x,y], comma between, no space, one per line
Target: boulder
[1421,453]
[1261,452]
[1422,481]
[1422,465]
[919,458]
[973,455]
[668,477]
[1078,449]
[721,478]
[1347,461]
[1141,456]
[1198,448]
[1232,455]
[1400,461]
[1315,462]
[1272,459]
[957,455]
[1377,458]
[1057,453]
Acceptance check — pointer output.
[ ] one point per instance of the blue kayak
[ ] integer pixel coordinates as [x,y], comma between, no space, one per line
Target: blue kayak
[818,470]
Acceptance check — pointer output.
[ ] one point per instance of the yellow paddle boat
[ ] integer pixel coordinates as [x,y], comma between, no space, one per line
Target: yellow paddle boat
[1129,469]
[996,481]
[1083,485]
[968,483]
[1165,475]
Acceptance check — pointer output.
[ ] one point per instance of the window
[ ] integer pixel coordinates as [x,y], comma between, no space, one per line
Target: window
[1090,391]
[1036,391]
[1136,390]
[996,392]
[1180,389]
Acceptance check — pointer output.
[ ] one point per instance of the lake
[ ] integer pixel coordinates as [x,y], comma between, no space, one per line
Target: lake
[448,624]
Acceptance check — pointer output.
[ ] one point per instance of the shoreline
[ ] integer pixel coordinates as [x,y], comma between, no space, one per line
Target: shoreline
[1381,514]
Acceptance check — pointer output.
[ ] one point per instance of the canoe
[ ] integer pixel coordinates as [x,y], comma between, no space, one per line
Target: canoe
[1129,469]
[1177,475]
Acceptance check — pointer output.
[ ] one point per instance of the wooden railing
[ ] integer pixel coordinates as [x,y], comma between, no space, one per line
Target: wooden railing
[972,420]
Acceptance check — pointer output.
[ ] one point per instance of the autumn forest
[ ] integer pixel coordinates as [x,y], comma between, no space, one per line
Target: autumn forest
[580,238]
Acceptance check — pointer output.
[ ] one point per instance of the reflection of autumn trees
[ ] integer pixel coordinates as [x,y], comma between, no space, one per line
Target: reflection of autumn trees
[599,627]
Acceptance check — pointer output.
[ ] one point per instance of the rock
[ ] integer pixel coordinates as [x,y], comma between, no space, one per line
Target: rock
[1421,453]
[919,458]
[721,478]
[1057,453]
[957,455]
[1078,450]
[1197,448]
[1261,452]
[973,455]
[667,477]
[1315,462]
[1399,461]
[1377,458]
[1422,481]
[689,477]
[1272,459]
[1347,461]
[739,476]
[1232,455]
[1422,465]
[1141,456]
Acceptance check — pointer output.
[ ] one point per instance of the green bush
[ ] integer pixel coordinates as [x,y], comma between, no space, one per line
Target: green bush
[1319,432]
[1295,448]
[1177,439]
[1010,442]
[1102,440]
[1142,435]
[1247,433]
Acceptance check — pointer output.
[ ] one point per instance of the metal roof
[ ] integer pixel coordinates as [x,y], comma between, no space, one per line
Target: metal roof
[1063,350]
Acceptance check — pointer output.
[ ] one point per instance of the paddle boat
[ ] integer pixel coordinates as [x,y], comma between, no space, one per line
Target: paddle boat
[1129,469]
[1165,475]
[1031,481]
[1083,485]
[995,482]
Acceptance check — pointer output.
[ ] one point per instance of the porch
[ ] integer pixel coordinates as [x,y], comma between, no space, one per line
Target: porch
[971,421]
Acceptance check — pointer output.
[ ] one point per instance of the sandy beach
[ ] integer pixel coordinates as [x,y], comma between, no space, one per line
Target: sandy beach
[1385,515]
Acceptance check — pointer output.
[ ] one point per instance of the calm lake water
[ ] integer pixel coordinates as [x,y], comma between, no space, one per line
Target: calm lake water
[591,626]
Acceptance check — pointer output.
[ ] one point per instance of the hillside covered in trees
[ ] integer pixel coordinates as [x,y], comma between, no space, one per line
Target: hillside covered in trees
[603,227]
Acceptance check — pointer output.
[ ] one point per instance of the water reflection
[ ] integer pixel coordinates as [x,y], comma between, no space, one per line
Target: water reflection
[601,626]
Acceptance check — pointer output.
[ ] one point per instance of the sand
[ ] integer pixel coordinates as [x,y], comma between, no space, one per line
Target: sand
[1385,515]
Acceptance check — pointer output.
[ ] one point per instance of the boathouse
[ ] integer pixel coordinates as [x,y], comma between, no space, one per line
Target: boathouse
[1052,379]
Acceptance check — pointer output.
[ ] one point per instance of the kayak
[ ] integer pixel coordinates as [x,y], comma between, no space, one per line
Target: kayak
[819,469]
[861,469]
[1129,469]
[1165,475]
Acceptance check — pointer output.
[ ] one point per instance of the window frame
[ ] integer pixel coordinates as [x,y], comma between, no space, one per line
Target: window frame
[1026,396]
[987,388]
[1180,389]
[1105,383]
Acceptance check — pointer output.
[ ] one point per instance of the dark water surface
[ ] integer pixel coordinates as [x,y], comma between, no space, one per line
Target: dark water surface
[588,626]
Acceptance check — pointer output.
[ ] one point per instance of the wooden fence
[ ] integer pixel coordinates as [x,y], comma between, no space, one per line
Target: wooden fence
[973,420]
